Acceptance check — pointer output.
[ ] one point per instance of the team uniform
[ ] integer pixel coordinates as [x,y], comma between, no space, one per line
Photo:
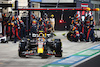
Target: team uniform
[90,29]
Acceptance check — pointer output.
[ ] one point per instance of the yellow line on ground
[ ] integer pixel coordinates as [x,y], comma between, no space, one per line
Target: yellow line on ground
[63,39]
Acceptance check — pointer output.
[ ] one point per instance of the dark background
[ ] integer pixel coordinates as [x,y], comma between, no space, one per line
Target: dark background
[57,14]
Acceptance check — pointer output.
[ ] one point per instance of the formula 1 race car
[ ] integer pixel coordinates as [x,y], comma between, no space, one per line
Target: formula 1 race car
[39,45]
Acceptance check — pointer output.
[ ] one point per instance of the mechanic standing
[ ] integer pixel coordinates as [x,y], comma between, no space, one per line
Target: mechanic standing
[22,29]
[48,27]
[16,28]
[4,17]
[90,27]
[34,24]
[82,32]
[52,21]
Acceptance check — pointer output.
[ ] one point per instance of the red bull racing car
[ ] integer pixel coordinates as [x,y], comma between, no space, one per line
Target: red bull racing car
[40,45]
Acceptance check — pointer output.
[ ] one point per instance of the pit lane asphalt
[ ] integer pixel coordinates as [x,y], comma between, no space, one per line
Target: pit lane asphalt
[9,53]
[93,62]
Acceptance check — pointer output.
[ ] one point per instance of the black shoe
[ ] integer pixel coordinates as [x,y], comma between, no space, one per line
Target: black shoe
[87,41]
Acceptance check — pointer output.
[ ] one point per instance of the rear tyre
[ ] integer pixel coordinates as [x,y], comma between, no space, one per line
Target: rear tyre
[69,37]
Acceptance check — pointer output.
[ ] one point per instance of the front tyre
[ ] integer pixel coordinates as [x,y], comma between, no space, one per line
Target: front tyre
[58,49]
[20,54]
[21,49]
